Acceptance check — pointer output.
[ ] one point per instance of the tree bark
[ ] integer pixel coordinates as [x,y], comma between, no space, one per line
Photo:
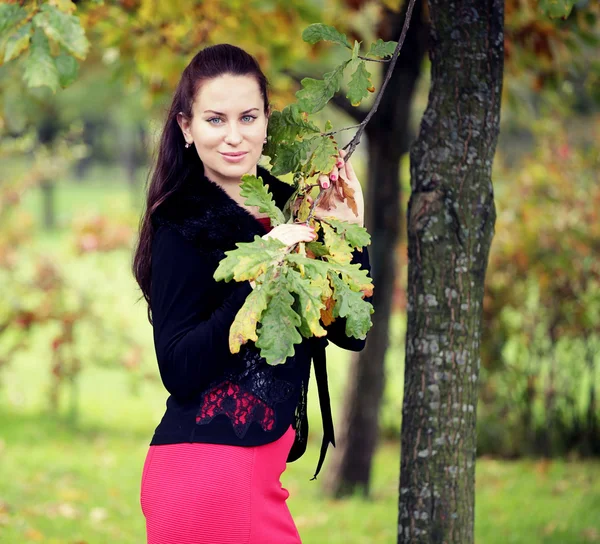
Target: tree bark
[388,137]
[451,217]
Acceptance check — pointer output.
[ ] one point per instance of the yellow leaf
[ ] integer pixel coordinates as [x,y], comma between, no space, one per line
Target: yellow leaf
[244,325]
[34,534]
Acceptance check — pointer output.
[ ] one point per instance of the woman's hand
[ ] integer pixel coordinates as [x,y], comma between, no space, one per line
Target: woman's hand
[333,195]
[290,234]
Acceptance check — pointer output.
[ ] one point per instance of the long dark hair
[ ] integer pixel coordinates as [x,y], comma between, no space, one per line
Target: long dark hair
[174,162]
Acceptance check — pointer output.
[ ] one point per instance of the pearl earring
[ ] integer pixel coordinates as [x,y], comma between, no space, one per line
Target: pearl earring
[187,144]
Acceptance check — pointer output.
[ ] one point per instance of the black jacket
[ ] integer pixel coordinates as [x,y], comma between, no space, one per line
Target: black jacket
[216,396]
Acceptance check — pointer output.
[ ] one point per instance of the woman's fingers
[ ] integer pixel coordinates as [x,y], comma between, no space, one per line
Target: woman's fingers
[303,233]
[342,166]
[337,171]
[333,175]
[292,234]
[349,169]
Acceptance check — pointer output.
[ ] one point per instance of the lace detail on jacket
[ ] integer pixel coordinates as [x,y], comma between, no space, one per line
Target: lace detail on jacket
[246,396]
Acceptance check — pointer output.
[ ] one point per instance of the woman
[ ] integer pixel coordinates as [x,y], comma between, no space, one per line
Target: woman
[212,472]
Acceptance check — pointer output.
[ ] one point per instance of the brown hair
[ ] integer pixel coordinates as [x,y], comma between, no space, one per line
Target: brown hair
[174,162]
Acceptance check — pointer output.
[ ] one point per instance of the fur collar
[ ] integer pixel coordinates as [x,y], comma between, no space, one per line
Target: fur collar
[203,212]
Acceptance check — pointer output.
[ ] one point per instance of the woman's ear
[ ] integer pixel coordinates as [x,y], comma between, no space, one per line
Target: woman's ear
[184,124]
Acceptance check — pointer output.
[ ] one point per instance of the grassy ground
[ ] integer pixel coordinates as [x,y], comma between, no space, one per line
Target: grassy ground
[72,485]
[80,484]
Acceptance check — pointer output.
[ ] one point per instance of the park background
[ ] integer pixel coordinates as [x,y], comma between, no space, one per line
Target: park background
[80,393]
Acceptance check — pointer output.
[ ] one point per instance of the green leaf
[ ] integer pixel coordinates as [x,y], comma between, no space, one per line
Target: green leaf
[17,42]
[68,68]
[310,301]
[39,66]
[285,127]
[318,31]
[322,283]
[312,267]
[315,94]
[250,259]
[303,210]
[318,248]
[338,248]
[11,15]
[353,233]
[290,123]
[355,51]
[64,29]
[246,320]
[324,155]
[289,158]
[382,49]
[359,84]
[277,333]
[295,118]
[257,194]
[304,328]
[350,305]
[556,8]
[355,276]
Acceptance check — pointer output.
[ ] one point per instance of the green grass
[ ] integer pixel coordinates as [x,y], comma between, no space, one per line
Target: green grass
[64,485]
[72,484]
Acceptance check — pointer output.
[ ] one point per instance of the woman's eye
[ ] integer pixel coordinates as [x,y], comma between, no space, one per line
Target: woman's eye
[218,119]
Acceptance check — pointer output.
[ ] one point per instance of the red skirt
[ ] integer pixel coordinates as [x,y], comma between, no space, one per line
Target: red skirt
[197,493]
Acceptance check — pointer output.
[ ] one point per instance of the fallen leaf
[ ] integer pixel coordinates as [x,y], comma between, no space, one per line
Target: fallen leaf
[64,509]
[550,528]
[561,487]
[34,534]
[98,514]
[591,534]
[543,466]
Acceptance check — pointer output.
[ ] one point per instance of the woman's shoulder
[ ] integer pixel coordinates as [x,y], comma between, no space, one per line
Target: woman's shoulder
[169,244]
[178,266]
[166,236]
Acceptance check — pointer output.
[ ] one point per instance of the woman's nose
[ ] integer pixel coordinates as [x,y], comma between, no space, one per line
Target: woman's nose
[233,134]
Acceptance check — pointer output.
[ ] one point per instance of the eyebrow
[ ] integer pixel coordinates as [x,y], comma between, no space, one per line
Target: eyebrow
[221,113]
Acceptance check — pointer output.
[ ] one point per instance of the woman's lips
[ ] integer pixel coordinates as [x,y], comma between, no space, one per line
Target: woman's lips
[234,158]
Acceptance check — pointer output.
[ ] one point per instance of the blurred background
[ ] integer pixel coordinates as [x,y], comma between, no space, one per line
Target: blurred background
[80,393]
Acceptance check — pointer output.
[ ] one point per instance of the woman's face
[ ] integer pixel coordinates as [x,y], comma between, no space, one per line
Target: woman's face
[228,117]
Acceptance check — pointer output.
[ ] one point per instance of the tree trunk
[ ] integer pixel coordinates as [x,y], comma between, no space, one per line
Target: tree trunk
[451,217]
[47,133]
[83,165]
[591,444]
[388,138]
[48,204]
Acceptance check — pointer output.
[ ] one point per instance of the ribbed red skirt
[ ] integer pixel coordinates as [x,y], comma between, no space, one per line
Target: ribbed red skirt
[196,493]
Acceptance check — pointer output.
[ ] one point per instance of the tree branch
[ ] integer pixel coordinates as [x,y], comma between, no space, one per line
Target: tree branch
[353,144]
